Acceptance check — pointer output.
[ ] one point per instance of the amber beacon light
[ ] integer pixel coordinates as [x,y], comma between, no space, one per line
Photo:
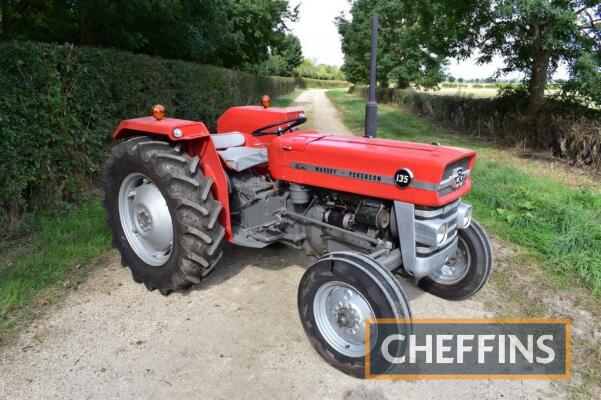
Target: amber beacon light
[158,112]
[266,101]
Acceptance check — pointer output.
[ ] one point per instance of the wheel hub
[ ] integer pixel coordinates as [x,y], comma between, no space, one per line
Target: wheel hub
[345,319]
[456,267]
[146,219]
[340,312]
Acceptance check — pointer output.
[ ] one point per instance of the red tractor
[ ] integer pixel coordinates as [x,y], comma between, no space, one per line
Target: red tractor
[371,210]
[368,207]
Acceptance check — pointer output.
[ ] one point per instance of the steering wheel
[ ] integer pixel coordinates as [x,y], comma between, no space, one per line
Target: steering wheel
[294,122]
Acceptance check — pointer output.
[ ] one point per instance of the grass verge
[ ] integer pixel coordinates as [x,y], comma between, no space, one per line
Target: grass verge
[522,201]
[37,270]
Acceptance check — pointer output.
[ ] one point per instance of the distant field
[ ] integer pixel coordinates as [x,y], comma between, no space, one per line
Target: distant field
[468,90]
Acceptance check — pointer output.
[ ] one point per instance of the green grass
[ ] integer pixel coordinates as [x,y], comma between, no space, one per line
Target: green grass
[38,268]
[551,213]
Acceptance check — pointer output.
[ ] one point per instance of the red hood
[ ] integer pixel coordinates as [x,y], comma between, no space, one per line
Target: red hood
[381,158]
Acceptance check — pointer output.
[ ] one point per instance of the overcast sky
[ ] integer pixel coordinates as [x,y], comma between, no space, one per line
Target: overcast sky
[320,39]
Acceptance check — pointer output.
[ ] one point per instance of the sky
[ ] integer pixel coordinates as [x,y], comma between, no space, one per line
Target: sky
[320,40]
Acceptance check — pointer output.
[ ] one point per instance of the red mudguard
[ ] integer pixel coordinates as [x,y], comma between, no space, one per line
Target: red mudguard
[197,135]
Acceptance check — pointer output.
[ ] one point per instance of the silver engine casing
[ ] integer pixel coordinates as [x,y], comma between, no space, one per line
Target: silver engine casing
[264,212]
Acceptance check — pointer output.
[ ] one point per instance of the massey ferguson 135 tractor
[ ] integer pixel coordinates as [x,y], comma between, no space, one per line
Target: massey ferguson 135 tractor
[371,209]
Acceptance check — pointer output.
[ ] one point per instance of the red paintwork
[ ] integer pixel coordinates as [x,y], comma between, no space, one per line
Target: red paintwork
[246,119]
[211,166]
[373,156]
[197,133]
[190,129]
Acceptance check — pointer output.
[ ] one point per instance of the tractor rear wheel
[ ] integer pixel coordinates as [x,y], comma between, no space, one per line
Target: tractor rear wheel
[467,271]
[162,214]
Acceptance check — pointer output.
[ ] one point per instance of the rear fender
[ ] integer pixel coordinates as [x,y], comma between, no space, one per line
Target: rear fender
[175,129]
[199,143]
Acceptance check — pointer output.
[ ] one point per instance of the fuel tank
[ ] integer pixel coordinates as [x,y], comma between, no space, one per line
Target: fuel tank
[422,174]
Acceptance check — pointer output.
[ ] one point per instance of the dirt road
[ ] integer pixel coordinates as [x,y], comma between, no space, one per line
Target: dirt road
[322,115]
[235,336]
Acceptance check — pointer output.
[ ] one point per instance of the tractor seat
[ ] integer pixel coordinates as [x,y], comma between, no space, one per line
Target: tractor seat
[223,141]
[230,147]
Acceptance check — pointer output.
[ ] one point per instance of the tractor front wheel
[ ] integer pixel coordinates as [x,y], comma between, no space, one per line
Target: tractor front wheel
[467,271]
[162,214]
[337,296]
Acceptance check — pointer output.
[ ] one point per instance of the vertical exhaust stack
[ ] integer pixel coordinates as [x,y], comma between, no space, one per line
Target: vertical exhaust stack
[371,109]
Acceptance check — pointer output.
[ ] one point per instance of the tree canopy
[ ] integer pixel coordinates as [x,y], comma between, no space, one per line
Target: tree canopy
[533,36]
[229,33]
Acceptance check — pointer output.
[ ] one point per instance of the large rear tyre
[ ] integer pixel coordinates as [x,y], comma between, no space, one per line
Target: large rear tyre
[162,214]
[467,271]
[337,295]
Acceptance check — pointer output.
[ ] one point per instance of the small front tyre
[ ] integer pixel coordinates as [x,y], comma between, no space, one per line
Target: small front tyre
[337,295]
[467,271]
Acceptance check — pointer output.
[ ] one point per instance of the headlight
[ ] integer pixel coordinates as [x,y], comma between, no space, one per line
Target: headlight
[464,215]
[441,234]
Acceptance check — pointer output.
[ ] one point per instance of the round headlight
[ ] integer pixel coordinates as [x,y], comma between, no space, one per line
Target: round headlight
[467,218]
[441,234]
[464,215]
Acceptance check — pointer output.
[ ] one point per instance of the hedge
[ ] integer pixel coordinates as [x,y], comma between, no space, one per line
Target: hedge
[569,130]
[60,104]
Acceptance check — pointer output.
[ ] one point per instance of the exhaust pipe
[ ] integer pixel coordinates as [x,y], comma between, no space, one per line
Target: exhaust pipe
[371,109]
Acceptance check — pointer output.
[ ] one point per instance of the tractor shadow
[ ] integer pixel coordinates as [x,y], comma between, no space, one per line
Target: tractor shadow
[276,257]
[236,259]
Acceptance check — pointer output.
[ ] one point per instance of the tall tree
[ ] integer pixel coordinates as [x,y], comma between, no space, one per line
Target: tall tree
[415,38]
[535,36]
[257,26]
[532,36]
[290,51]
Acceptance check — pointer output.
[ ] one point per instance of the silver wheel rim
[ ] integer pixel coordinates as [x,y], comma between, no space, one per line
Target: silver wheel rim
[456,267]
[340,313]
[145,219]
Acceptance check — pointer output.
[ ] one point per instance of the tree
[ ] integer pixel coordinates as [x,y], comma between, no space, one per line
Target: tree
[290,51]
[230,33]
[257,26]
[532,36]
[451,79]
[310,69]
[415,38]
[460,80]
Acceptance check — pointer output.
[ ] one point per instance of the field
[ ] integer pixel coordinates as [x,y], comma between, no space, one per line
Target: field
[467,91]
[472,90]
